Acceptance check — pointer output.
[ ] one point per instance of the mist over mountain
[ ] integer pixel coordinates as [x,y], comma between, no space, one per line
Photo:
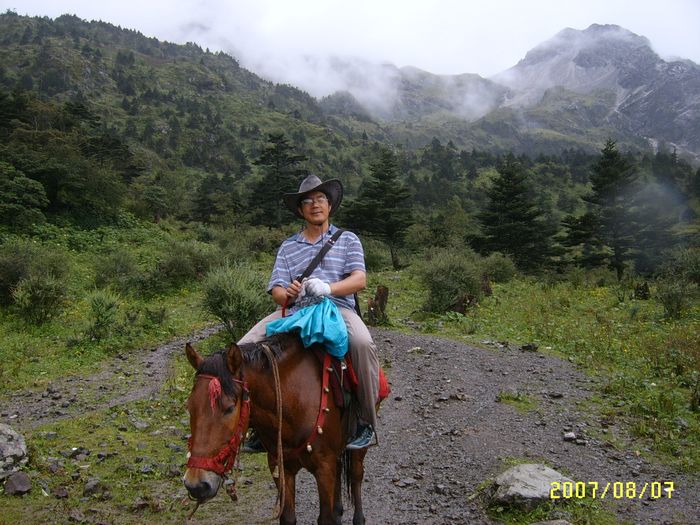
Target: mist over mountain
[600,57]
[575,89]
[655,99]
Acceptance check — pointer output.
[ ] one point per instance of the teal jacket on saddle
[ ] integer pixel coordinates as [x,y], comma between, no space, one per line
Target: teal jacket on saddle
[318,323]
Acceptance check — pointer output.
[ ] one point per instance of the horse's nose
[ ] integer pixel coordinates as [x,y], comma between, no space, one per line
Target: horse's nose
[200,491]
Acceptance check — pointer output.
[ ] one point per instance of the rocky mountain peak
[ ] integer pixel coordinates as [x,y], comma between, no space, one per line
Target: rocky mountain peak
[600,81]
[610,41]
[600,57]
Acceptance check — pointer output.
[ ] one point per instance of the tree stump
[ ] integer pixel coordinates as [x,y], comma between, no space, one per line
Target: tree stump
[376,308]
[486,285]
[642,292]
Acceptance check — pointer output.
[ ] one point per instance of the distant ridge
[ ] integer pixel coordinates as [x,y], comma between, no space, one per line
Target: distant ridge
[574,89]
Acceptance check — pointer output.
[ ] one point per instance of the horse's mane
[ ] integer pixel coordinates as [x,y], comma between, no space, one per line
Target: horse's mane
[215,365]
[254,354]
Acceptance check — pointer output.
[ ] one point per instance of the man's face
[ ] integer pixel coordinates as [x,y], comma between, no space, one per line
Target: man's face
[315,207]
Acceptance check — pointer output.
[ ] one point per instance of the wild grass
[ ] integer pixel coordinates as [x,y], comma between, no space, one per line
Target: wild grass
[649,362]
[72,340]
[139,468]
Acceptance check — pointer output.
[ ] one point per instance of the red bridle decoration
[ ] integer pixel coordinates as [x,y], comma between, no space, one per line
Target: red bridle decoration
[214,391]
[223,461]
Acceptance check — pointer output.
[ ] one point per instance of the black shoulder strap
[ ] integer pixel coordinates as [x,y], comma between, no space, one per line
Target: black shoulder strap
[321,254]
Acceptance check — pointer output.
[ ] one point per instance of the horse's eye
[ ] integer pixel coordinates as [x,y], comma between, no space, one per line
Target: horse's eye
[229,410]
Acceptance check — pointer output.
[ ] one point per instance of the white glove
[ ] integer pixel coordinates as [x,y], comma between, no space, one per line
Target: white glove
[316,287]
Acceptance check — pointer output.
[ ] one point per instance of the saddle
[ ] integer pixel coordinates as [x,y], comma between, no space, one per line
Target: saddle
[343,379]
[339,380]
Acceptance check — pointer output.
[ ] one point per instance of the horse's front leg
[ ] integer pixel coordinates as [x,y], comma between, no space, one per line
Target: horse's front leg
[289,514]
[357,472]
[326,475]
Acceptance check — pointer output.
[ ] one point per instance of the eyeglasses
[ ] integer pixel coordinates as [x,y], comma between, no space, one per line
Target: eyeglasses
[321,199]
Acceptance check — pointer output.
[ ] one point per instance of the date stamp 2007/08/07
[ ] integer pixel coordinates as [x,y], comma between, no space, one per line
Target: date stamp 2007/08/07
[611,489]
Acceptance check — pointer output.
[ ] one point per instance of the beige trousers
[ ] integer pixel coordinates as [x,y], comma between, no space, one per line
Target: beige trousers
[363,353]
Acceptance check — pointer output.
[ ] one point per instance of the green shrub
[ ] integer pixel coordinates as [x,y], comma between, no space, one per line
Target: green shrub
[20,259]
[377,256]
[499,267]
[683,262]
[32,276]
[576,276]
[235,294]
[15,261]
[21,199]
[246,243]
[418,236]
[674,295]
[137,318]
[155,316]
[679,280]
[39,297]
[184,261]
[452,280]
[119,270]
[102,317]
[599,277]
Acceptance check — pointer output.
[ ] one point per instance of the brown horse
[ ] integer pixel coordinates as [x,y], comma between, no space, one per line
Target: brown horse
[233,383]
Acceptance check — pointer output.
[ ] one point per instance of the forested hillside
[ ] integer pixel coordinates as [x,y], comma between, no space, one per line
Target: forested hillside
[108,121]
[128,122]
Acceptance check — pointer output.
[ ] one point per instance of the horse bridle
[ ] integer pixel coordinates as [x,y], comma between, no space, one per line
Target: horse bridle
[222,462]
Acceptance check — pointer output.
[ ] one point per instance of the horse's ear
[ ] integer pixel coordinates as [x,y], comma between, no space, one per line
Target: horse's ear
[233,358]
[193,356]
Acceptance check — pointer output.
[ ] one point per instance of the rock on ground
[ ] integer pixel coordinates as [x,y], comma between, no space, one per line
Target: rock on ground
[526,485]
[17,483]
[13,451]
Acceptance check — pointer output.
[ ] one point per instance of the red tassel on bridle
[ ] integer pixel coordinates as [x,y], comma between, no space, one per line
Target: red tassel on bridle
[222,462]
[214,391]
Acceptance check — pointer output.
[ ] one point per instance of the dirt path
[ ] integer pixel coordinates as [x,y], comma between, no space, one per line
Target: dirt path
[125,378]
[443,431]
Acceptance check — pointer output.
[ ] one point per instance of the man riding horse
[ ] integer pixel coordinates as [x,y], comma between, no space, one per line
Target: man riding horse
[340,274]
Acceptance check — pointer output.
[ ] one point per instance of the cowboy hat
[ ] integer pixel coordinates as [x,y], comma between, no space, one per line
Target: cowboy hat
[333,189]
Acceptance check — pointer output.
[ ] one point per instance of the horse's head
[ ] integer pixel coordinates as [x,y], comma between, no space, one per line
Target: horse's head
[218,407]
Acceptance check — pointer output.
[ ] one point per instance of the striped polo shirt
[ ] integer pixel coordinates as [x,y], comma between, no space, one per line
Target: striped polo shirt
[342,259]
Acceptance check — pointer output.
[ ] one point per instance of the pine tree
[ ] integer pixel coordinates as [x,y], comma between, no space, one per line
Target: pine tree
[214,199]
[610,204]
[281,174]
[583,239]
[512,223]
[155,198]
[21,199]
[381,209]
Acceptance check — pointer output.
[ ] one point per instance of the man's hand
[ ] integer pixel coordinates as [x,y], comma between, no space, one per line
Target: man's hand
[293,291]
[317,287]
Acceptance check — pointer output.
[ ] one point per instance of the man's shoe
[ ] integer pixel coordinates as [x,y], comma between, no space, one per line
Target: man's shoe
[252,444]
[362,439]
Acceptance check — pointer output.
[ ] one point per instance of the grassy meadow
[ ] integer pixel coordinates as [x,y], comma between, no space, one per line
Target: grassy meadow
[649,364]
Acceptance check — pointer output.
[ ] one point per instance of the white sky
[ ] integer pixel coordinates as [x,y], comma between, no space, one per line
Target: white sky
[440,36]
